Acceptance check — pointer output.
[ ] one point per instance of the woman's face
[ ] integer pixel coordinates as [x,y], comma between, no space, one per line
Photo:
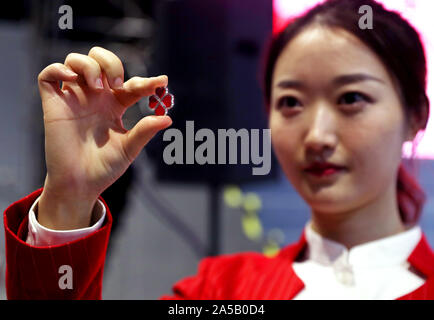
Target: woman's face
[334,101]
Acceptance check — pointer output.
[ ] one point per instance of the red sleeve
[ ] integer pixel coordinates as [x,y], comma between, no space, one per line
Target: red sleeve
[33,272]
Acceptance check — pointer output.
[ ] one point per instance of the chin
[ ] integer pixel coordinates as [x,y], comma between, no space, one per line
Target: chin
[328,208]
[326,199]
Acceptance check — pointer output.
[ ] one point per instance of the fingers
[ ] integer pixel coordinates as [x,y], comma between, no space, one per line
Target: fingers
[137,88]
[97,61]
[101,68]
[50,77]
[110,64]
[143,131]
[87,67]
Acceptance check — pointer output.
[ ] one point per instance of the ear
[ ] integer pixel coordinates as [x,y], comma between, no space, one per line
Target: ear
[418,121]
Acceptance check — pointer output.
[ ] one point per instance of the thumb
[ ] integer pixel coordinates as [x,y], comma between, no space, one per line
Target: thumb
[142,132]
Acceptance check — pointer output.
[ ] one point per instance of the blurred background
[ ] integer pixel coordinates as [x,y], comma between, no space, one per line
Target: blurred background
[167,218]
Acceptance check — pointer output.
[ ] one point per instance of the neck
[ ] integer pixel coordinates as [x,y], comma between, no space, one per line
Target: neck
[375,220]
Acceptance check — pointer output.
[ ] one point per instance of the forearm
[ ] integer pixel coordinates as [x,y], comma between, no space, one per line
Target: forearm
[33,272]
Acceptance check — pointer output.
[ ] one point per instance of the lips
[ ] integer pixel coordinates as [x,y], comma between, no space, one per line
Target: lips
[323,169]
[322,166]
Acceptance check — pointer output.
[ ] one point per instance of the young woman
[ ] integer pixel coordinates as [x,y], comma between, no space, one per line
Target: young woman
[341,102]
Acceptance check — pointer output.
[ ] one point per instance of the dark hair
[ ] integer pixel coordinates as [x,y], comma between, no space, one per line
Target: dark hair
[398,46]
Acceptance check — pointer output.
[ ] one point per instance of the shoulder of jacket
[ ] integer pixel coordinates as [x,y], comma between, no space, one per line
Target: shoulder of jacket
[237,262]
[233,260]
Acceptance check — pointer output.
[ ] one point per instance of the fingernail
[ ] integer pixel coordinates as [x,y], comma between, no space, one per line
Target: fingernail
[70,72]
[118,83]
[99,84]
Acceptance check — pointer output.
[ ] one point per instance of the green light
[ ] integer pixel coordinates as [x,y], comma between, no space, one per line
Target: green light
[251,226]
[271,249]
[252,202]
[233,196]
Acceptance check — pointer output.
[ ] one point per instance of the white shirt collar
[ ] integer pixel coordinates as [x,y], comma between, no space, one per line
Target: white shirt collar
[388,251]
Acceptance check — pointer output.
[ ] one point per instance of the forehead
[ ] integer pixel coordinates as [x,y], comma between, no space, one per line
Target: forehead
[321,52]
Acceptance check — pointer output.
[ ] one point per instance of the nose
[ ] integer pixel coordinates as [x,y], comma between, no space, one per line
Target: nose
[321,134]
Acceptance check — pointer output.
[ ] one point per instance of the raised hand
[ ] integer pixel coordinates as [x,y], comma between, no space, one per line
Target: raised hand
[86,146]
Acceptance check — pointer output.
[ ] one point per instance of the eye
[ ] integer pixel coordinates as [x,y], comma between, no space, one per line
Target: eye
[287,102]
[352,98]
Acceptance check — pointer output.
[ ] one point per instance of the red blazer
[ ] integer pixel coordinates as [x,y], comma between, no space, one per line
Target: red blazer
[33,272]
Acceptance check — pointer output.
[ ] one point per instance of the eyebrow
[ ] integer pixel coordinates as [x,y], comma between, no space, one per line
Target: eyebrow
[338,81]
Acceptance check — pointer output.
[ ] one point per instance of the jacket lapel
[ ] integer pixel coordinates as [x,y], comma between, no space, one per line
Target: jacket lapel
[290,284]
[422,260]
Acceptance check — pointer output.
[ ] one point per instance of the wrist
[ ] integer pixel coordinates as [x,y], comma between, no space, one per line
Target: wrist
[64,212]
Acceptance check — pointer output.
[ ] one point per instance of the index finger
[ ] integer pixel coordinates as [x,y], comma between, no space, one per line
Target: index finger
[137,87]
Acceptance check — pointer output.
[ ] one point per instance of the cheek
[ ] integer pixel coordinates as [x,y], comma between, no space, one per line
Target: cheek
[375,148]
[284,139]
